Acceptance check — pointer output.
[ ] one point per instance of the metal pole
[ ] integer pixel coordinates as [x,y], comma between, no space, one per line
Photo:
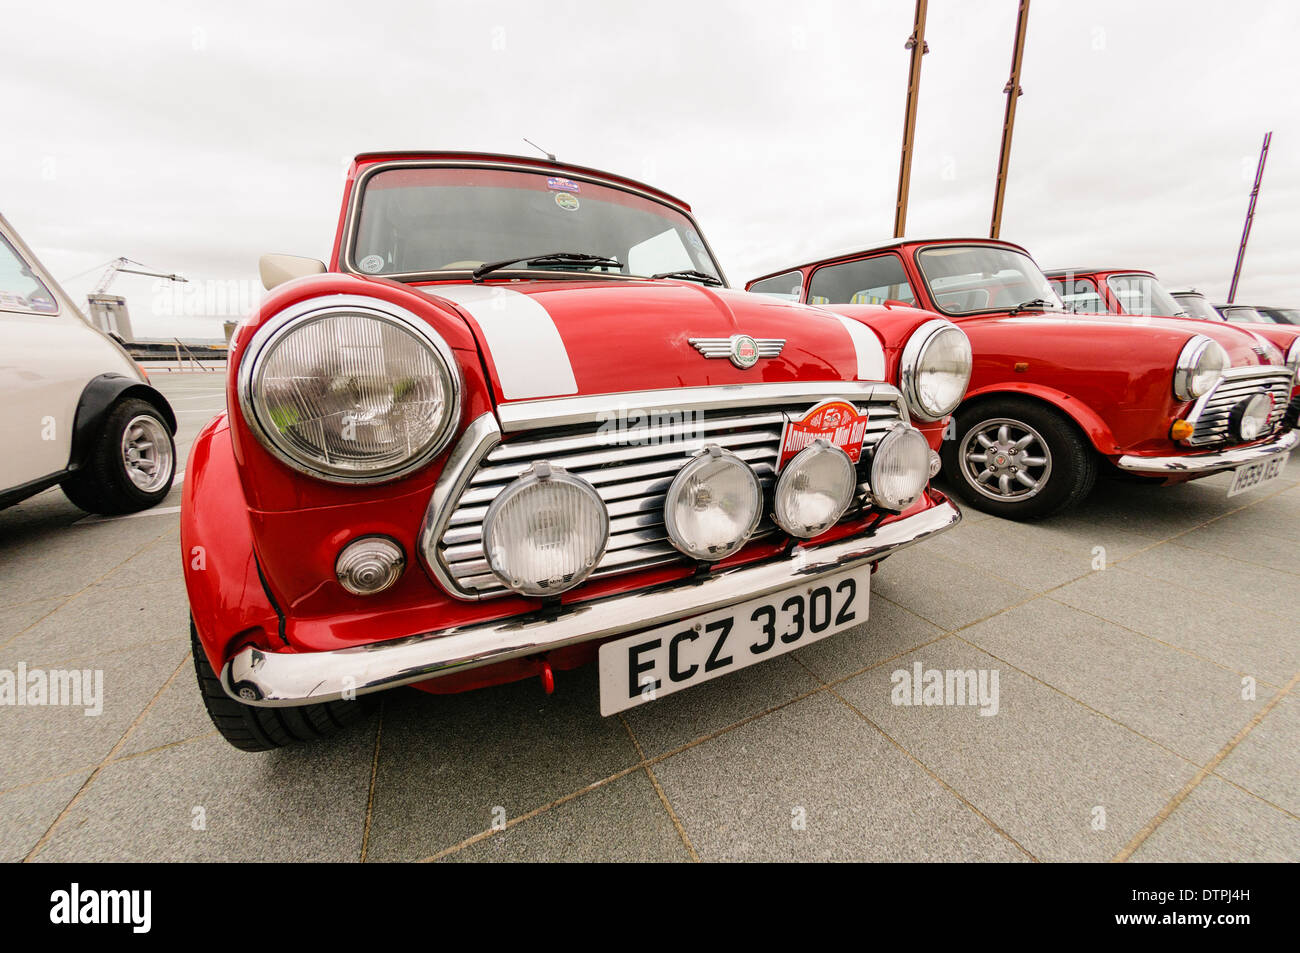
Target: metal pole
[1013,92]
[1250,217]
[916,43]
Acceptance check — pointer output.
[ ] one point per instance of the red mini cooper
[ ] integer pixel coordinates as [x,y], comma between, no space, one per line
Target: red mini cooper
[1139,292]
[1056,398]
[519,423]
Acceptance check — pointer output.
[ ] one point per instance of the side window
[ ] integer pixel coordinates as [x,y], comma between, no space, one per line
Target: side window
[869,281]
[787,287]
[20,290]
[1080,295]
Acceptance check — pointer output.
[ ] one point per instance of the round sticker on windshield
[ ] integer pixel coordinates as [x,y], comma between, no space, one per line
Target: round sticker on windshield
[566,201]
[695,240]
[372,264]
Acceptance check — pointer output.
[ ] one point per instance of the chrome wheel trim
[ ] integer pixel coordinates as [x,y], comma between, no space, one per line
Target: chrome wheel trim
[1005,460]
[147,453]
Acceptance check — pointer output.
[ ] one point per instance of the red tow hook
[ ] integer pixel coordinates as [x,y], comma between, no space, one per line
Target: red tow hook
[548,676]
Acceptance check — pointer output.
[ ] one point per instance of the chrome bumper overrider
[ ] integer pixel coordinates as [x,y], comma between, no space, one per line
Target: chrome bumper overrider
[272,678]
[1209,462]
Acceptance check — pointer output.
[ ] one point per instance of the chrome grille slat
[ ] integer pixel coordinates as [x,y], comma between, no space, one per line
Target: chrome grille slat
[632,480]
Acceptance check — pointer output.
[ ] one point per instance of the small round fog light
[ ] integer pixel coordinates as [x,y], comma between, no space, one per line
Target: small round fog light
[1249,418]
[814,490]
[713,505]
[900,468]
[545,532]
[369,565]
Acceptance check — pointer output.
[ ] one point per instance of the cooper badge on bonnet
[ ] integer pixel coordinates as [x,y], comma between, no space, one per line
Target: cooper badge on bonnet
[743,350]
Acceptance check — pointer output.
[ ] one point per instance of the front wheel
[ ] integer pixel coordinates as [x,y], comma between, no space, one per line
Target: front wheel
[1018,459]
[130,463]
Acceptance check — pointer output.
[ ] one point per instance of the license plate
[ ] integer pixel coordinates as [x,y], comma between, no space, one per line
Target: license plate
[1257,474]
[652,664]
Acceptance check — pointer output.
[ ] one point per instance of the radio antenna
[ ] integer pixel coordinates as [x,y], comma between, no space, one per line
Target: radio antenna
[549,155]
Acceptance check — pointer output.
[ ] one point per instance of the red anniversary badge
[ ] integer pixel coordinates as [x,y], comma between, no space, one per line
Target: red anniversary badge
[835,421]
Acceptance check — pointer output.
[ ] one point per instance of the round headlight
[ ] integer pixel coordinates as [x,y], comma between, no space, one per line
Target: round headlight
[1293,357]
[935,369]
[814,490]
[348,392]
[713,505]
[900,467]
[369,565]
[1200,367]
[1249,418]
[545,532]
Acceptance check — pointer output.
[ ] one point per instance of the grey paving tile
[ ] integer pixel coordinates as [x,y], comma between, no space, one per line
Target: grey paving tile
[1232,634]
[13,619]
[447,761]
[160,561]
[623,821]
[102,620]
[1250,545]
[1154,512]
[177,715]
[1257,586]
[1267,761]
[70,557]
[889,631]
[26,813]
[740,796]
[305,803]
[1021,554]
[1218,823]
[42,742]
[949,594]
[1189,705]
[675,719]
[1040,768]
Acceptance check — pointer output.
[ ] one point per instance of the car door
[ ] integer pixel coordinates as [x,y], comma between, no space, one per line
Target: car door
[49,354]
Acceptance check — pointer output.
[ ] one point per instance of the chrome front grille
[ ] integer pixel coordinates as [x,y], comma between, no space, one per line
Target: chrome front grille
[630,467]
[1212,411]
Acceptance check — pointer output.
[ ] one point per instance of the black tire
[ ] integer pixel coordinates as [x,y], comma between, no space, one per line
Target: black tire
[1067,478]
[263,729]
[103,483]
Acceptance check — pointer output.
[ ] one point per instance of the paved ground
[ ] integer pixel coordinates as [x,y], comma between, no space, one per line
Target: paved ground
[1125,727]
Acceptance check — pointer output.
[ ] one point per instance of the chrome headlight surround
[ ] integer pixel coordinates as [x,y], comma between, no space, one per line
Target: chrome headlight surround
[819,451]
[297,316]
[1200,367]
[1293,358]
[890,446]
[913,370]
[541,477]
[713,456]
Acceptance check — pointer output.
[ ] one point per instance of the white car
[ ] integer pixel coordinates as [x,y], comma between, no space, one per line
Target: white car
[75,410]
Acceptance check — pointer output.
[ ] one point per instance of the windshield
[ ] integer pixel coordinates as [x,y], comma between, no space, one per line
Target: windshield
[967,278]
[1080,295]
[422,220]
[1142,294]
[1195,306]
[1282,315]
[20,290]
[1246,316]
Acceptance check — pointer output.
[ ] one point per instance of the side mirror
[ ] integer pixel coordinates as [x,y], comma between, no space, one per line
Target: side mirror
[277,269]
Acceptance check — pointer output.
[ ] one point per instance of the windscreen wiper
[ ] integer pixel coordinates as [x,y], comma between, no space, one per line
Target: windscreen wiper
[691,274]
[1037,304]
[548,258]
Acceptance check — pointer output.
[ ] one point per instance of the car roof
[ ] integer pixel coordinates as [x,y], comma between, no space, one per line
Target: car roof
[1062,272]
[892,243]
[535,161]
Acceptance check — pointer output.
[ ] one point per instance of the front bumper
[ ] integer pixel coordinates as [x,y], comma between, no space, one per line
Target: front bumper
[257,677]
[1203,464]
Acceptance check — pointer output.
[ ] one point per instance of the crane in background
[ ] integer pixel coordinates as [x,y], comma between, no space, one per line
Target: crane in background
[108,312]
[1250,218]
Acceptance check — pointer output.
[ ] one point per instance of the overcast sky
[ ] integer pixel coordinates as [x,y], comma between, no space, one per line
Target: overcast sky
[195,136]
